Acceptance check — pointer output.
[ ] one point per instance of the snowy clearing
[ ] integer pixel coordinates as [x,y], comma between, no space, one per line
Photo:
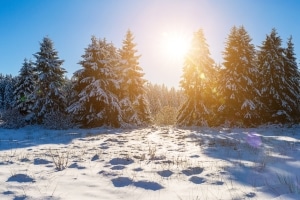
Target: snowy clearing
[150,163]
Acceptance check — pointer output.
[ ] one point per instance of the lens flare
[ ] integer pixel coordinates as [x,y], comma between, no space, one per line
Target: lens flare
[254,140]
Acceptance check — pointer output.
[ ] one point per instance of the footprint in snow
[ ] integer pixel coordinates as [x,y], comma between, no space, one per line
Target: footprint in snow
[75,165]
[121,161]
[95,157]
[197,180]
[218,183]
[118,167]
[192,171]
[148,185]
[8,192]
[165,173]
[40,161]
[121,181]
[138,169]
[20,178]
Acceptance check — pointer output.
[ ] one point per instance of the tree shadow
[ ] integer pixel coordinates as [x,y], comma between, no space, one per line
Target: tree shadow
[255,156]
[30,136]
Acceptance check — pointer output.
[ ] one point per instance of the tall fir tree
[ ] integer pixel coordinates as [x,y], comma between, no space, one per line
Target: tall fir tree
[277,95]
[132,95]
[6,91]
[8,101]
[96,86]
[197,76]
[68,90]
[2,89]
[24,88]
[292,76]
[48,97]
[237,88]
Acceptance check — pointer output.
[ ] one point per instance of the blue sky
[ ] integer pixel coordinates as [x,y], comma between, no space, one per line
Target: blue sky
[71,23]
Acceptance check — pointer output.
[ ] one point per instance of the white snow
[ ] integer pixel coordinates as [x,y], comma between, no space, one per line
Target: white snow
[150,163]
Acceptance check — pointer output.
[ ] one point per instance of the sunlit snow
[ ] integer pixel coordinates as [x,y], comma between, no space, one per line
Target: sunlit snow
[150,163]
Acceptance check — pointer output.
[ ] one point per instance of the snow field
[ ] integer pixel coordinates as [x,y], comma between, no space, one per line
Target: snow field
[150,163]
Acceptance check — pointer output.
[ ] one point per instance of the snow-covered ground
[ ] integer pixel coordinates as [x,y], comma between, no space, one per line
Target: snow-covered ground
[150,163]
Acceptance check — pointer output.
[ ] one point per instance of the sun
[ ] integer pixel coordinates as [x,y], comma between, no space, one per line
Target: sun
[175,45]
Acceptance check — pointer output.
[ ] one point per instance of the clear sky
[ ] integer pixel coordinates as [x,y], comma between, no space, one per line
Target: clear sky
[71,23]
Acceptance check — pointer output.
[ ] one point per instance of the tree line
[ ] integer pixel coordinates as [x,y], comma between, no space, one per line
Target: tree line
[250,87]
[108,90]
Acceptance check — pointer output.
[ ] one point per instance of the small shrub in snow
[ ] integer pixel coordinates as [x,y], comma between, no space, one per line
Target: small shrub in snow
[58,120]
[60,160]
[12,119]
[151,152]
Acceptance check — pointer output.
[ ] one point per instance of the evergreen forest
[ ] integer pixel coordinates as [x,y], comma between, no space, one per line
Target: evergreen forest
[254,85]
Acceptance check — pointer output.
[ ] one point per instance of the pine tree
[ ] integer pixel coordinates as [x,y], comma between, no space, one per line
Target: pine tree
[2,89]
[47,95]
[292,76]
[277,96]
[132,96]
[68,90]
[24,88]
[6,91]
[8,101]
[96,85]
[196,80]
[239,95]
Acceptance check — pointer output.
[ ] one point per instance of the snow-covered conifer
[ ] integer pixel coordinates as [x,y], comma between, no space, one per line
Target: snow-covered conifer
[196,80]
[237,88]
[6,91]
[48,97]
[278,96]
[292,76]
[96,85]
[132,96]
[9,93]
[2,88]
[24,88]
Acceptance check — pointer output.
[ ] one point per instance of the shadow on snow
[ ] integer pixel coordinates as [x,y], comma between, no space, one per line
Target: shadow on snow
[30,136]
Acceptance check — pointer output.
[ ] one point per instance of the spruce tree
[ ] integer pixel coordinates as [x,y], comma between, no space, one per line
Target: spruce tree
[196,80]
[47,95]
[2,89]
[132,96]
[8,101]
[24,88]
[237,88]
[277,95]
[6,91]
[292,76]
[96,85]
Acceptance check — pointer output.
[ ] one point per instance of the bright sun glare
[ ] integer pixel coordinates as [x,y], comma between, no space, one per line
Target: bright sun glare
[175,45]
